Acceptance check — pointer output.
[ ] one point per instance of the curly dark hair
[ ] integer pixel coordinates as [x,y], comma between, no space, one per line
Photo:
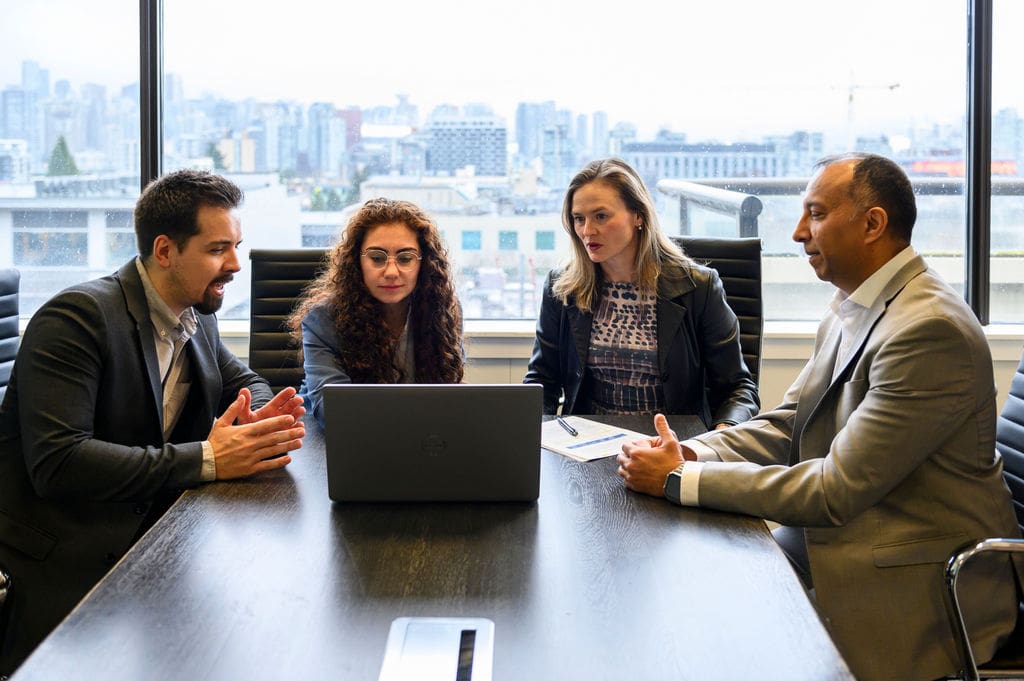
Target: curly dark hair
[367,352]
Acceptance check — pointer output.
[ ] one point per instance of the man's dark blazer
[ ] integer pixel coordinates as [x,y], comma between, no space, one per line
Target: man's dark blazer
[699,356]
[83,461]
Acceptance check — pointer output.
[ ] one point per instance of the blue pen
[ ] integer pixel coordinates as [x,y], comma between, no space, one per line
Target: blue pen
[565,424]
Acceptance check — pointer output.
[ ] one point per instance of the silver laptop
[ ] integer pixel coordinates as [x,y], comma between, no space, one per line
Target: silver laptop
[456,442]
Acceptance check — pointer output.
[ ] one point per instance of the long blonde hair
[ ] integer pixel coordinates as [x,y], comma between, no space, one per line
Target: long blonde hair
[581,277]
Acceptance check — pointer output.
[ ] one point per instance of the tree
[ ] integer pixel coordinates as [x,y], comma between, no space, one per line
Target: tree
[352,195]
[334,200]
[61,160]
[317,199]
[218,158]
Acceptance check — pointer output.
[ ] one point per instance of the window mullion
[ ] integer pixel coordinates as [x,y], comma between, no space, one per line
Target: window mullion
[151,19]
[979,157]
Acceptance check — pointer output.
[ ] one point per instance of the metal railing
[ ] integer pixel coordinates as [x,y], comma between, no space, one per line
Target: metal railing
[744,207]
[738,197]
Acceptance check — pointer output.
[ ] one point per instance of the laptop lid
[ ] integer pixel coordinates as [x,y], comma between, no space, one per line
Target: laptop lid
[412,442]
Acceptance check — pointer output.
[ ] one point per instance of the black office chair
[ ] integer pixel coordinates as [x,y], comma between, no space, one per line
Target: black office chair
[279,278]
[1008,662]
[10,281]
[738,262]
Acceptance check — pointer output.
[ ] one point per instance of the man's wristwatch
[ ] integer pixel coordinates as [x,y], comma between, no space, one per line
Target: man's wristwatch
[672,483]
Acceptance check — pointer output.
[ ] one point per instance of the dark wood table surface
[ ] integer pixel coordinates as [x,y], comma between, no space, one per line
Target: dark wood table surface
[268,579]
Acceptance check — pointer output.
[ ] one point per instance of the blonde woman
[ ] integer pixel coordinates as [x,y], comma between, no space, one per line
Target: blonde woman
[631,325]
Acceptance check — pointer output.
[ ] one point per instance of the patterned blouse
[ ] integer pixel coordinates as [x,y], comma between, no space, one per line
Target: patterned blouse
[623,357]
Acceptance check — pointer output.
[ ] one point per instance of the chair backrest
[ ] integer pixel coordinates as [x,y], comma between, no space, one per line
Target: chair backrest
[279,278]
[1010,441]
[738,262]
[10,281]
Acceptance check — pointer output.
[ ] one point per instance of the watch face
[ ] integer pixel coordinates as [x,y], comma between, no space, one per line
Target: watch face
[672,484]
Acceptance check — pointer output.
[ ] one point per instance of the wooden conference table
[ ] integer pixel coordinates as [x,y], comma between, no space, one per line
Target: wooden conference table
[268,579]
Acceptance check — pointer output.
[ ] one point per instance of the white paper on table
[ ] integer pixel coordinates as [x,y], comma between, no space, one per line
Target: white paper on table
[595,440]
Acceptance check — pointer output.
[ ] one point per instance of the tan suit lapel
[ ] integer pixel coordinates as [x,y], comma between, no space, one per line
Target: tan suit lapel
[818,382]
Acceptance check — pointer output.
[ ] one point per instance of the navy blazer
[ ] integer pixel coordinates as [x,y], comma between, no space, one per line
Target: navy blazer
[83,460]
[699,354]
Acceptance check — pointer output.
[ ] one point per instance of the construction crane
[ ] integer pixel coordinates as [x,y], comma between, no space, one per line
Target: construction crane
[851,89]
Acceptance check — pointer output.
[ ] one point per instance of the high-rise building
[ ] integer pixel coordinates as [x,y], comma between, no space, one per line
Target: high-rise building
[583,151]
[14,167]
[353,117]
[405,113]
[623,133]
[238,152]
[326,140]
[600,134]
[799,151]
[558,151]
[477,139]
[91,116]
[672,159]
[531,120]
[59,113]
[289,117]
[35,80]
[20,119]
[14,113]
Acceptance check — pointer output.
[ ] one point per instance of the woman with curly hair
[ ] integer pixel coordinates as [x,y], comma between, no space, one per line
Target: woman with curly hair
[384,309]
[631,325]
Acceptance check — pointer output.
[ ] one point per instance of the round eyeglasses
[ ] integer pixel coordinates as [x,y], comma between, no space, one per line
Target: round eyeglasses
[378,258]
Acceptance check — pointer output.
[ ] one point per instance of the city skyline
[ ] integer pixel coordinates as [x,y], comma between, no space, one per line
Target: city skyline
[434,142]
[765,72]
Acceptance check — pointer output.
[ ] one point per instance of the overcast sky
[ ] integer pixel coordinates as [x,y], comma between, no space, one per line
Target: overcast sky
[726,69]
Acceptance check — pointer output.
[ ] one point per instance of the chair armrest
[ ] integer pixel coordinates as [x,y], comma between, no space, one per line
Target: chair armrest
[954,565]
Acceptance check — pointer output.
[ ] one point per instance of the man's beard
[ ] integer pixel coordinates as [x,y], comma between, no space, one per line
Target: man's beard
[211,302]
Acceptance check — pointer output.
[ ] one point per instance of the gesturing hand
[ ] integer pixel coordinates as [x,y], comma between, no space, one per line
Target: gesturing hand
[248,448]
[645,464]
[285,402]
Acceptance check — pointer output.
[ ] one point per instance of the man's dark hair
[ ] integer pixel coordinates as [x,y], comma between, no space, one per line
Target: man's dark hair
[170,205]
[879,181]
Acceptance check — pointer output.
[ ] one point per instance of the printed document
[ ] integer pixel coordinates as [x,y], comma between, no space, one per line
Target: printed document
[593,441]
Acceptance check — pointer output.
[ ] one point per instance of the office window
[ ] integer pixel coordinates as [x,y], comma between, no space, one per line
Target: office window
[544,240]
[1007,207]
[320,236]
[49,238]
[49,248]
[508,240]
[121,242]
[465,146]
[121,247]
[471,240]
[69,139]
